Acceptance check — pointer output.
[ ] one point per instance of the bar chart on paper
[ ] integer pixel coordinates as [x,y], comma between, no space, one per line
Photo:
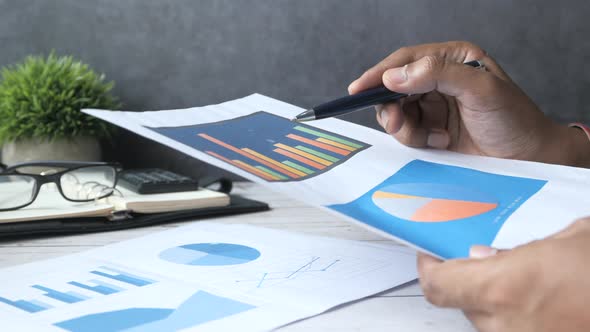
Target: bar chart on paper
[48,294]
[200,308]
[268,146]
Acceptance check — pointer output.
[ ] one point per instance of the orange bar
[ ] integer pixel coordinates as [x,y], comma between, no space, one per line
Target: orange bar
[336,144]
[233,162]
[274,162]
[256,170]
[304,154]
[319,145]
[225,145]
[248,155]
[219,156]
[300,159]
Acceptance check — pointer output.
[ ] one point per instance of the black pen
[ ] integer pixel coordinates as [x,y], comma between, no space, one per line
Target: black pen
[357,101]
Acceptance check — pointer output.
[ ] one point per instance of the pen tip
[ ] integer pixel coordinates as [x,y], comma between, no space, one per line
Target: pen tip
[305,116]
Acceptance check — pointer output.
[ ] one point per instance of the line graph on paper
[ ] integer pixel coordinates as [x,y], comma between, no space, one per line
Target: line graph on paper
[271,278]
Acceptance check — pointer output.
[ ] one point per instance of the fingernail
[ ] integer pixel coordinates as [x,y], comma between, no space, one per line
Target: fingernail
[397,75]
[438,140]
[482,251]
[352,86]
[384,116]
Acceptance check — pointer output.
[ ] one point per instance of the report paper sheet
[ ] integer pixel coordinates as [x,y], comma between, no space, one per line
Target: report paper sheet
[201,277]
[437,201]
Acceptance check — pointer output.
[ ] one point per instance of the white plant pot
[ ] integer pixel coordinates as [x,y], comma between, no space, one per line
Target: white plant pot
[79,148]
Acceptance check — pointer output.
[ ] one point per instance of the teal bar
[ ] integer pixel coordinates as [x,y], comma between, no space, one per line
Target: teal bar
[299,167]
[266,170]
[317,153]
[330,137]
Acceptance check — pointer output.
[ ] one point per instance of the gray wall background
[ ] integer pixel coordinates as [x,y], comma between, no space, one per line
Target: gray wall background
[183,53]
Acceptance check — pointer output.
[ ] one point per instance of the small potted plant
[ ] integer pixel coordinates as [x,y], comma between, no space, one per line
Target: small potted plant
[40,103]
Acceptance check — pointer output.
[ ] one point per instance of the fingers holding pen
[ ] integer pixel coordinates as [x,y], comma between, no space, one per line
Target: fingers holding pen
[434,117]
[426,73]
[416,122]
[390,116]
[457,51]
[393,116]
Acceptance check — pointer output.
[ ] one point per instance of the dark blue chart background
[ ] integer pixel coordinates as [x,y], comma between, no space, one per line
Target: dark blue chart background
[258,131]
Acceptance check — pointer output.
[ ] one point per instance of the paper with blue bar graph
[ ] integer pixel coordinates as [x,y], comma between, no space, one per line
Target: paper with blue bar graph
[439,202]
[202,277]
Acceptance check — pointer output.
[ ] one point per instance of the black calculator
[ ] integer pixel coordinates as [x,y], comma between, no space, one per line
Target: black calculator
[155,181]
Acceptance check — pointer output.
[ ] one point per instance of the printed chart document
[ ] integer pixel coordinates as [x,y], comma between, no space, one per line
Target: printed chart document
[437,201]
[204,276]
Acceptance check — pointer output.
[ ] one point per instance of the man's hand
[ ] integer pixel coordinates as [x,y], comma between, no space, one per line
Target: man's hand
[541,286]
[468,110]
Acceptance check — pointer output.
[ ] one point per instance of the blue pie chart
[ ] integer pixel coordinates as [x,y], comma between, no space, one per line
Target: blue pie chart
[210,254]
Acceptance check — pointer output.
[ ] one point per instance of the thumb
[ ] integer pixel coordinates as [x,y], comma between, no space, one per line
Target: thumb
[451,78]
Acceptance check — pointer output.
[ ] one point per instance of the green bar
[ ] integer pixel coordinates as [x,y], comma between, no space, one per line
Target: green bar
[264,169]
[330,137]
[317,153]
[299,167]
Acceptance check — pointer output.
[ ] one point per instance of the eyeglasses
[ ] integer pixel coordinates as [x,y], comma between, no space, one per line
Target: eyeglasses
[76,181]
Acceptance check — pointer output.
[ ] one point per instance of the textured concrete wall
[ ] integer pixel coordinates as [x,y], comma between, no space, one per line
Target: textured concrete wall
[182,53]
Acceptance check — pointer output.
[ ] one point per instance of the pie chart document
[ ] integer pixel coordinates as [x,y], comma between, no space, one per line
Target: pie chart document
[201,277]
[439,202]
[444,209]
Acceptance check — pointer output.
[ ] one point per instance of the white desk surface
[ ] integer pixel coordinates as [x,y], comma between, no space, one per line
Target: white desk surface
[402,309]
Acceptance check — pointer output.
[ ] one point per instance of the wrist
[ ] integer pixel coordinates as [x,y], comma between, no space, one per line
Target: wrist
[580,145]
[564,145]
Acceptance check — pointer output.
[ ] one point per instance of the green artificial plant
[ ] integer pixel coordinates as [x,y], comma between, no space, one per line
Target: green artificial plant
[42,98]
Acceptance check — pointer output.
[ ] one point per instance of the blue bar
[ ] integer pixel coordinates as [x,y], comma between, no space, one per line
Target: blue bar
[24,305]
[101,289]
[41,304]
[112,269]
[124,277]
[102,283]
[69,297]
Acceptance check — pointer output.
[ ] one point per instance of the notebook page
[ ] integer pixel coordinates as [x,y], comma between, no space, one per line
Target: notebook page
[51,205]
[167,202]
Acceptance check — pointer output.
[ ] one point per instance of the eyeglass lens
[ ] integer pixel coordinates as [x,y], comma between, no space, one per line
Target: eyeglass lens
[16,190]
[88,183]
